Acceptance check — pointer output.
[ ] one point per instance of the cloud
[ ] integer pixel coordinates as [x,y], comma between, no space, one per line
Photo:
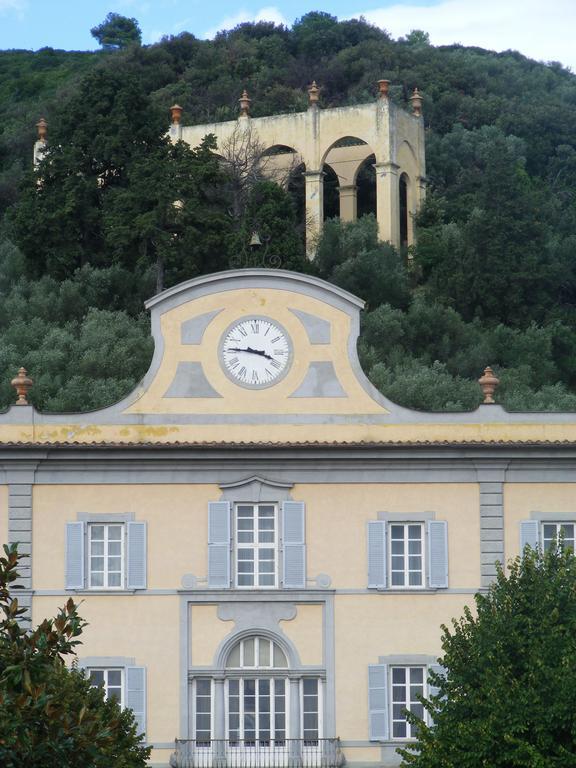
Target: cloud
[13,6]
[270,13]
[540,29]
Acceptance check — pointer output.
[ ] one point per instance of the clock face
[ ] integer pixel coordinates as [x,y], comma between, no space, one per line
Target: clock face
[255,352]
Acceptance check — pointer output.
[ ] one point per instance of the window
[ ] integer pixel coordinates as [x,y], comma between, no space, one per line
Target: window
[203,722]
[256,545]
[111,680]
[555,532]
[106,555]
[407,685]
[406,555]
[310,711]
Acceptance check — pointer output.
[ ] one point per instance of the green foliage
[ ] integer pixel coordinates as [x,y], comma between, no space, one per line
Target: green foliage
[50,715]
[492,279]
[507,697]
[117,31]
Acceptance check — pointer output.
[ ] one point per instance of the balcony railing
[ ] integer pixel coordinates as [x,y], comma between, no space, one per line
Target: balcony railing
[242,753]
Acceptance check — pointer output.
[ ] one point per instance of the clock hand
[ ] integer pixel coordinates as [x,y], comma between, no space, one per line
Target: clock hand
[251,351]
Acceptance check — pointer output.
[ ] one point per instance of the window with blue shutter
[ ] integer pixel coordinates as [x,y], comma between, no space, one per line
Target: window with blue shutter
[136,556]
[437,554]
[219,544]
[294,544]
[136,695]
[529,531]
[378,702]
[75,577]
[377,554]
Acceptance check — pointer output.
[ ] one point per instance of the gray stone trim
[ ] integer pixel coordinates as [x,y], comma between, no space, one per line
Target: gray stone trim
[190,381]
[256,619]
[550,517]
[106,661]
[406,659]
[193,592]
[185,661]
[406,517]
[329,659]
[320,381]
[317,329]
[255,489]
[105,517]
[20,482]
[192,330]
[491,528]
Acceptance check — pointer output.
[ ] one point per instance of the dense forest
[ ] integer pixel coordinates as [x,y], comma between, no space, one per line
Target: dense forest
[492,279]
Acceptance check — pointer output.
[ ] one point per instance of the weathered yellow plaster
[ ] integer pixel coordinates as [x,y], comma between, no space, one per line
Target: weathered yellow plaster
[521,499]
[176,515]
[336,517]
[142,627]
[207,632]
[305,631]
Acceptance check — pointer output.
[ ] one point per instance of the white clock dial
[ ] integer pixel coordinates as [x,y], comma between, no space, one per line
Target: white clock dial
[255,352]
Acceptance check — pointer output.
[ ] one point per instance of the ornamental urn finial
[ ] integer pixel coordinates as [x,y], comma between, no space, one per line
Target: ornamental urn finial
[383,88]
[176,113]
[488,381]
[42,128]
[22,384]
[313,94]
[416,100]
[244,102]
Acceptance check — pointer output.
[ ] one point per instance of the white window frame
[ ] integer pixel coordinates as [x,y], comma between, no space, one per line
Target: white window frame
[558,524]
[255,546]
[407,705]
[195,708]
[406,570]
[107,686]
[320,711]
[107,526]
[272,712]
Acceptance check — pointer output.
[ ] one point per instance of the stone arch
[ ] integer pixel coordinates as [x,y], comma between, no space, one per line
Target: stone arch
[345,156]
[226,646]
[278,163]
[365,183]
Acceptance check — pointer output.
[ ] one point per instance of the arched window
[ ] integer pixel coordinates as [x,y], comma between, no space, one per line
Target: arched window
[403,210]
[256,653]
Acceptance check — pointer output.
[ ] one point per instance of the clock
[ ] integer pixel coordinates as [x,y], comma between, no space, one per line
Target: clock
[255,352]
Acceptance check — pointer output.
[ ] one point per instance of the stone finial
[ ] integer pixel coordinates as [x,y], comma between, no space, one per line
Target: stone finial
[176,113]
[488,381]
[244,102]
[313,94]
[383,88]
[22,384]
[416,100]
[42,128]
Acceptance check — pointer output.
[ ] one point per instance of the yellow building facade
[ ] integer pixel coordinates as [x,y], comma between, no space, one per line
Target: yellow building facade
[264,546]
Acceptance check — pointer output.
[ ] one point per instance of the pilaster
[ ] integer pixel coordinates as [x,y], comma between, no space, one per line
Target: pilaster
[20,482]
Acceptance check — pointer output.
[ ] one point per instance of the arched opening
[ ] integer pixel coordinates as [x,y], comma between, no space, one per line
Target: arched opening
[366,187]
[331,206]
[403,206]
[296,187]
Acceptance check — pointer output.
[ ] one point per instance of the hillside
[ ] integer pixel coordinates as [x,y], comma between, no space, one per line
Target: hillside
[491,281]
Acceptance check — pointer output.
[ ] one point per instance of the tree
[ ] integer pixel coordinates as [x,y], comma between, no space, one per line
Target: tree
[507,696]
[50,715]
[117,31]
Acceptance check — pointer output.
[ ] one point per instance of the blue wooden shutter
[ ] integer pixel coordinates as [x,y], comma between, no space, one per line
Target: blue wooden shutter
[219,544]
[437,553]
[136,551]
[293,539]
[75,555]
[378,701]
[376,533]
[136,695]
[529,532]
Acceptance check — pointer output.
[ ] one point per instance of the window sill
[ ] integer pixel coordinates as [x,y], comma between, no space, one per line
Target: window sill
[103,591]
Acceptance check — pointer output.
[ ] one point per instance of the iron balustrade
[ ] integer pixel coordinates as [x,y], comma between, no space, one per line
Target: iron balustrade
[258,753]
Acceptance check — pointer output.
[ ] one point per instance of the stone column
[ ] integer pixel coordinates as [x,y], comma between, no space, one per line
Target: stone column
[295,735]
[348,202]
[314,209]
[388,202]
[20,482]
[219,750]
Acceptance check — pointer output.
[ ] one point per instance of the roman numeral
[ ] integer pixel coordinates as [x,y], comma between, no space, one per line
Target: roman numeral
[242,371]
[276,339]
[279,351]
[275,363]
[243,331]
[254,376]
[255,326]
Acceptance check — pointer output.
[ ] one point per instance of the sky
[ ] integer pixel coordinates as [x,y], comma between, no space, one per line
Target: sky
[541,29]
